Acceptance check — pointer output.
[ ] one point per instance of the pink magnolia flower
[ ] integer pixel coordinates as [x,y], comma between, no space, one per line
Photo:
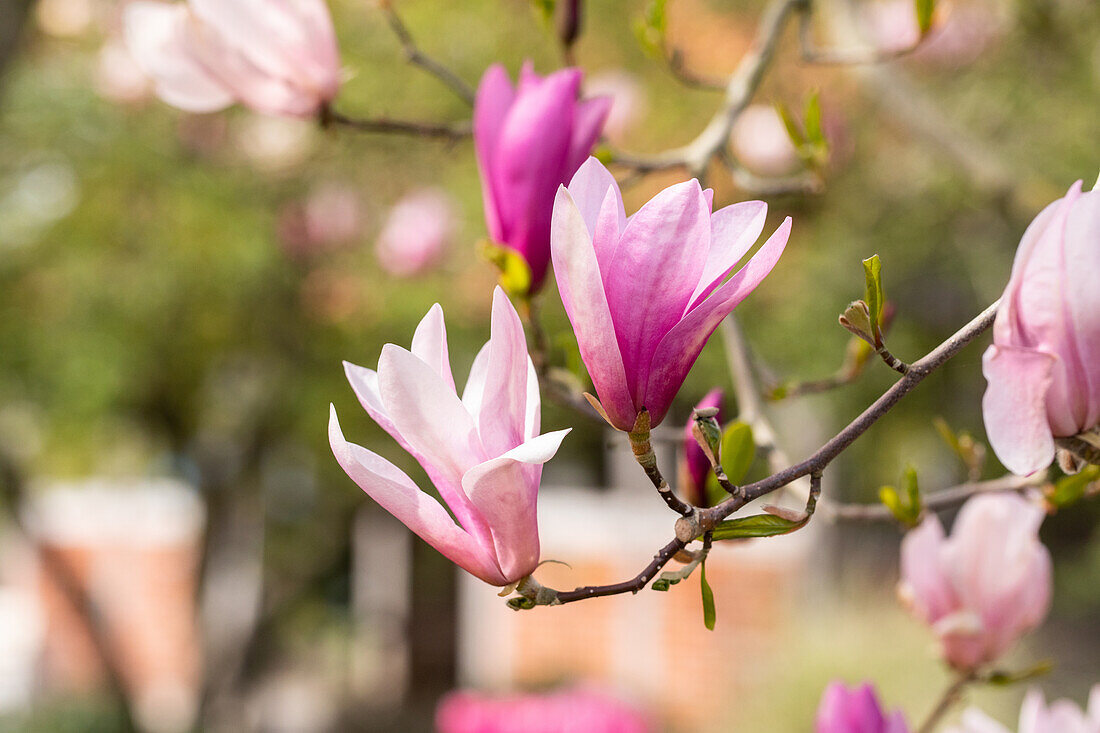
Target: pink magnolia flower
[1063,716]
[760,142]
[628,100]
[984,587]
[278,57]
[694,464]
[482,451]
[1044,365]
[416,233]
[564,711]
[645,294]
[529,140]
[855,710]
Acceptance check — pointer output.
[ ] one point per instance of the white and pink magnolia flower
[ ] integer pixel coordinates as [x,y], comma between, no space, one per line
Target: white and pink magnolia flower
[277,57]
[644,294]
[417,232]
[760,142]
[983,587]
[562,711]
[482,451]
[1062,716]
[855,710]
[1043,368]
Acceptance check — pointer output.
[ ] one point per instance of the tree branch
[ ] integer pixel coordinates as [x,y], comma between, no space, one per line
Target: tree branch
[418,58]
[385,125]
[942,499]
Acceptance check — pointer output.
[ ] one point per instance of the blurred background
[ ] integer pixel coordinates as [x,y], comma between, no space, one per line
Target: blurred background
[179,550]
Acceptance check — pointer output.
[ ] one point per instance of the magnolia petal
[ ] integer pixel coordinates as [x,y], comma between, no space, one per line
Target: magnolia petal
[581,287]
[733,231]
[924,584]
[503,404]
[429,415]
[587,125]
[653,273]
[679,349]
[155,35]
[364,382]
[290,39]
[430,344]
[532,421]
[975,721]
[1014,407]
[1082,298]
[531,154]
[425,516]
[494,98]
[475,383]
[506,493]
[589,188]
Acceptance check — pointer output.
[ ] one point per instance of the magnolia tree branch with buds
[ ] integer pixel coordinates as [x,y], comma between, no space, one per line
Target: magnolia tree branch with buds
[643,293]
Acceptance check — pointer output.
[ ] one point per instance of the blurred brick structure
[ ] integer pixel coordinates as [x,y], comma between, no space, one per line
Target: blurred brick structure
[133,547]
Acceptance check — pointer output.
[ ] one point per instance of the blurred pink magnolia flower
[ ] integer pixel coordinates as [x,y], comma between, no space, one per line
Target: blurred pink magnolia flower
[529,140]
[329,218]
[760,142]
[565,711]
[118,77]
[1043,368]
[984,587]
[416,233]
[694,464]
[855,710]
[1063,716]
[959,34]
[628,100]
[645,294]
[483,452]
[278,57]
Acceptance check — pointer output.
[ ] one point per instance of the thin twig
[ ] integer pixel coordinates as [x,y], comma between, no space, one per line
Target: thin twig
[834,447]
[675,59]
[740,89]
[811,54]
[704,520]
[385,125]
[418,58]
[633,585]
[942,499]
[892,361]
[950,697]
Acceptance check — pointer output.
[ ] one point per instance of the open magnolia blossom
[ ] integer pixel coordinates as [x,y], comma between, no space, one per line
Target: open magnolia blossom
[482,451]
[1044,365]
[277,57]
[530,139]
[644,294]
[984,586]
[855,710]
[1063,716]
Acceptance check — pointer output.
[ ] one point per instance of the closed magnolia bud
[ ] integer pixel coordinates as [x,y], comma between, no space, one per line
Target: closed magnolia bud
[855,710]
[694,463]
[569,21]
[529,140]
[983,587]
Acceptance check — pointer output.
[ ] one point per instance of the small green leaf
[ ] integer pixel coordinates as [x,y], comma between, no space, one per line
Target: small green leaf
[912,494]
[948,435]
[650,28]
[925,11]
[1070,489]
[814,133]
[660,584]
[1001,678]
[794,131]
[872,270]
[738,451]
[888,495]
[856,318]
[709,613]
[758,525]
[519,603]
